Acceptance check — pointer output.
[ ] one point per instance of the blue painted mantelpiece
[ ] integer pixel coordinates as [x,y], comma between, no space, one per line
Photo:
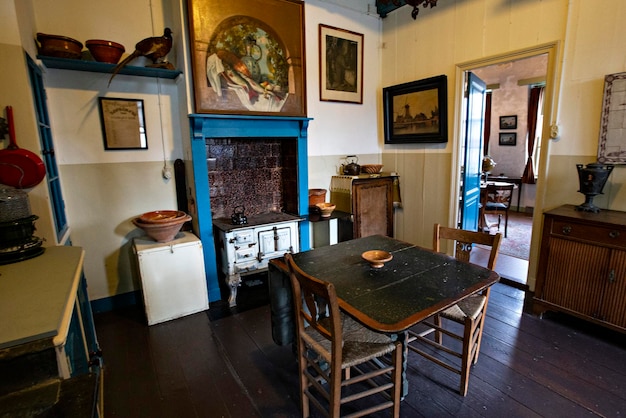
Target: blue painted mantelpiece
[213,126]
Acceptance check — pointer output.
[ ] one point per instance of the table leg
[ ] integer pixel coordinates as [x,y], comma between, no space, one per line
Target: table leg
[403,337]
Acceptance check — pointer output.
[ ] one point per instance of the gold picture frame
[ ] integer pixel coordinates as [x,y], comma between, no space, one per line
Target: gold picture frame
[123,123]
[341,65]
[248,57]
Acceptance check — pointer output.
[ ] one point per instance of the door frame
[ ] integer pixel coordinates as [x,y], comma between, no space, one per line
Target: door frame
[551,95]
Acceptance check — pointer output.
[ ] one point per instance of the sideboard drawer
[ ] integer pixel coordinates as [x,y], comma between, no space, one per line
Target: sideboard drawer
[598,234]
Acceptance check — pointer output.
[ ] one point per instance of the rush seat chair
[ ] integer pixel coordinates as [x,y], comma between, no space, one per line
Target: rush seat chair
[470,312]
[339,360]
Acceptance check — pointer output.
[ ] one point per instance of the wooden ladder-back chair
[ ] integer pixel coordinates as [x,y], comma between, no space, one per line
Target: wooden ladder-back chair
[498,200]
[470,312]
[339,360]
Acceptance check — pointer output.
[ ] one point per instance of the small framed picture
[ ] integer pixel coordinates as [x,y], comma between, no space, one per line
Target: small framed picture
[508,122]
[123,124]
[341,65]
[508,138]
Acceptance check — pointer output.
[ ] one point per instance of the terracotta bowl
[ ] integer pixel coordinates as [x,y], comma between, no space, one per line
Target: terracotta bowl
[377,258]
[162,216]
[105,51]
[371,168]
[59,46]
[326,208]
[164,231]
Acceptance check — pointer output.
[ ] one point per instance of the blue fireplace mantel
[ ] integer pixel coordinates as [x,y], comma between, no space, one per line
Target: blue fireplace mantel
[205,126]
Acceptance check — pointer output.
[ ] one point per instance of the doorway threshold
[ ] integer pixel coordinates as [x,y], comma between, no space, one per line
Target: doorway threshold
[512,270]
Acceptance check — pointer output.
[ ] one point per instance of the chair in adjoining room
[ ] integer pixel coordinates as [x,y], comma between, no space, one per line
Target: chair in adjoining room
[426,339]
[498,201]
[339,360]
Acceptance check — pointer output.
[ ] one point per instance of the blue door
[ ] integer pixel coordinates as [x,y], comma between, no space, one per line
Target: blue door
[475,90]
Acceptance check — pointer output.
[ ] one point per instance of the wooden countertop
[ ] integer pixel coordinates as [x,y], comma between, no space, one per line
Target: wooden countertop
[37,296]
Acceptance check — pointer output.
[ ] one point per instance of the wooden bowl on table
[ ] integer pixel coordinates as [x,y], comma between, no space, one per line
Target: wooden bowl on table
[377,258]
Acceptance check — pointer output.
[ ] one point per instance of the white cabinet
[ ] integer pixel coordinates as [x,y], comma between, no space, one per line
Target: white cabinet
[172,277]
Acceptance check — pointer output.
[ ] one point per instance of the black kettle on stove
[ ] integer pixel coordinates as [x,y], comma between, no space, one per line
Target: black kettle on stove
[238,217]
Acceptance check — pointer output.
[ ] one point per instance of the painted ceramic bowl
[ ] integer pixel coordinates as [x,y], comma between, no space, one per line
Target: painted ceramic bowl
[377,258]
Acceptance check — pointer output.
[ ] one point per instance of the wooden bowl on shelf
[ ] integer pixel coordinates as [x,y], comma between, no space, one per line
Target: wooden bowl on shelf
[58,46]
[105,51]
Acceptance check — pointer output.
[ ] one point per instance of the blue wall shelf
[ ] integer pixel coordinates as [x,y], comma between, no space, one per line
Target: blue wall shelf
[101,67]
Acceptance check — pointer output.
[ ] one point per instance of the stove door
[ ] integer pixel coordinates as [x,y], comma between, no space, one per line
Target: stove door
[275,242]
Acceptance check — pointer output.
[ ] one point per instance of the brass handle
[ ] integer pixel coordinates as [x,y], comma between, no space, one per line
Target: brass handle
[614,234]
[567,230]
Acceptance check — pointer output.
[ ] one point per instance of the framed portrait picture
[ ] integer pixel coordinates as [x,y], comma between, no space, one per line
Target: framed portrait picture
[248,56]
[508,122]
[508,138]
[123,123]
[416,111]
[341,65]
[612,141]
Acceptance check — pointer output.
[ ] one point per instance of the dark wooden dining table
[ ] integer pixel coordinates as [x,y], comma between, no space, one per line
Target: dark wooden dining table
[414,285]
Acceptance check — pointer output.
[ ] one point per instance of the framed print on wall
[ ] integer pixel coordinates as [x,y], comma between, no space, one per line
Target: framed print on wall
[341,65]
[508,138]
[123,123]
[248,56]
[612,141]
[416,111]
[508,122]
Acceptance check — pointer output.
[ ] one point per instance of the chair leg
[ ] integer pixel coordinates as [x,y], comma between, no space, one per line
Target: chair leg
[466,361]
[438,334]
[506,222]
[397,378]
[302,364]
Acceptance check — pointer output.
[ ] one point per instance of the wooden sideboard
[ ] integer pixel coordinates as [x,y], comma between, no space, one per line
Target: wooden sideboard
[582,266]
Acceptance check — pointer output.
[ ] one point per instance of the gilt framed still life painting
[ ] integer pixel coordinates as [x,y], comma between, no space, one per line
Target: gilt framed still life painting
[248,57]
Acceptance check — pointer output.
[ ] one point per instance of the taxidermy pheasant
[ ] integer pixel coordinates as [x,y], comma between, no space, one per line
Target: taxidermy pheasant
[155,48]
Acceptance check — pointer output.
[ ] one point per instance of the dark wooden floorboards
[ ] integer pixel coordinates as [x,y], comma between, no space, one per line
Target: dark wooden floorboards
[218,364]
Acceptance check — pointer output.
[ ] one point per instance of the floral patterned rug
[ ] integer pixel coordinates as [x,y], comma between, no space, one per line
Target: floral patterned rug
[517,242]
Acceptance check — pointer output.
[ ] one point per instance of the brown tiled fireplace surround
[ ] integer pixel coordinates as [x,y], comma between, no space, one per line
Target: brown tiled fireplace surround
[257,173]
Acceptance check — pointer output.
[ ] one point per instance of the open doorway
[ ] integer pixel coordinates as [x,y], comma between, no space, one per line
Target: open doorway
[514,102]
